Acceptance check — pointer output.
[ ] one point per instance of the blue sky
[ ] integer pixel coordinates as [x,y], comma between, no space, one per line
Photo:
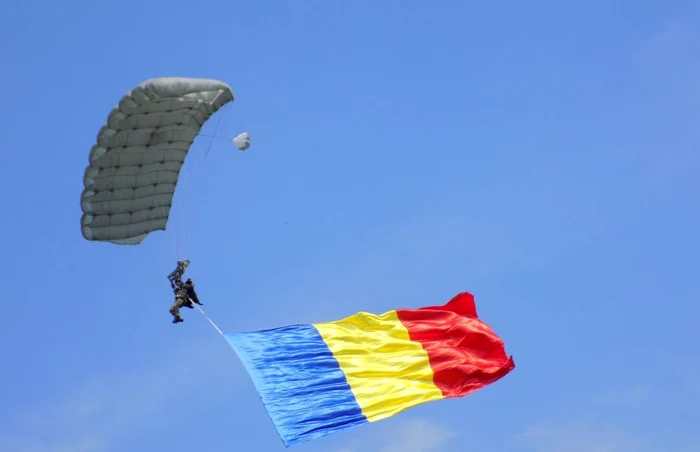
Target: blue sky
[539,155]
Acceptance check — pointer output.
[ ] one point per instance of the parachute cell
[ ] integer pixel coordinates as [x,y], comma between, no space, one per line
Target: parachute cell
[135,164]
[242,141]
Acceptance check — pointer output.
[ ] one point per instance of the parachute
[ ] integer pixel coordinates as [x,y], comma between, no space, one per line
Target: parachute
[135,163]
[242,141]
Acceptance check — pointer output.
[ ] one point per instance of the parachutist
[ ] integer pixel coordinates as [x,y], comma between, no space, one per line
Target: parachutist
[181,300]
[185,295]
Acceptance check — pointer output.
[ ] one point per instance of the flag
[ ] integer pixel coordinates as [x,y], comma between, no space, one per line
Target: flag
[316,379]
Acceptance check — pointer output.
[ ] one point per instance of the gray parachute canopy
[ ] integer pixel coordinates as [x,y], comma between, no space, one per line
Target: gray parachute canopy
[135,163]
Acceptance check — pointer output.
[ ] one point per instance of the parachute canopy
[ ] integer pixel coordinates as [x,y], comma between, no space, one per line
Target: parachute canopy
[242,141]
[135,163]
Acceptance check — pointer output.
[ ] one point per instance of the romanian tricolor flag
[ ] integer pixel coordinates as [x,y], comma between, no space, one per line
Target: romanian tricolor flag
[321,378]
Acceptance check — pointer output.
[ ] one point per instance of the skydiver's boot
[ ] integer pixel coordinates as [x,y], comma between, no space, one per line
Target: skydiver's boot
[178,319]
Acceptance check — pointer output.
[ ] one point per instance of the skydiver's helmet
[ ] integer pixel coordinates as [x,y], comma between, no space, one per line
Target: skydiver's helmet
[189,281]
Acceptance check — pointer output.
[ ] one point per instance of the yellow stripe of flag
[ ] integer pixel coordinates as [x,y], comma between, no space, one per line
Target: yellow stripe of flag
[385,369]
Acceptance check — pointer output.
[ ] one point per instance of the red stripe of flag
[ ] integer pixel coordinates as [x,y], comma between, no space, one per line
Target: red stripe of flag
[464,352]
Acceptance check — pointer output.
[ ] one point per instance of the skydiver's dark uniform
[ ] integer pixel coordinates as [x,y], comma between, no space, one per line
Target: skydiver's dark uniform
[185,295]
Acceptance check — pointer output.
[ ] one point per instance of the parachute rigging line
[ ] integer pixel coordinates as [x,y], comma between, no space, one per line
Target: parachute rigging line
[217,122]
[185,232]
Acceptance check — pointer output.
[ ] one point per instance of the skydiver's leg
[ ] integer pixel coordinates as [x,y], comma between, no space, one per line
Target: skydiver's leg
[175,311]
[177,273]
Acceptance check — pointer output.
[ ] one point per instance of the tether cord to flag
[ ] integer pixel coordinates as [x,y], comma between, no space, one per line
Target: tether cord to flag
[207,317]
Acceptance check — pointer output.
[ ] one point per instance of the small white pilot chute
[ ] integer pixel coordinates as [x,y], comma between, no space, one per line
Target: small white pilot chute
[242,141]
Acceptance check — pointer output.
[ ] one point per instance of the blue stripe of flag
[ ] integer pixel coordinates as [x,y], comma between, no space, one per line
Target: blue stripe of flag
[299,381]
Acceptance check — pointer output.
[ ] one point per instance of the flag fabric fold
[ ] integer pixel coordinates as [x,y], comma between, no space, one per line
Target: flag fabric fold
[321,378]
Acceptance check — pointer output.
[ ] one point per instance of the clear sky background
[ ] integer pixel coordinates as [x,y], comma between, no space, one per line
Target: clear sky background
[542,155]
